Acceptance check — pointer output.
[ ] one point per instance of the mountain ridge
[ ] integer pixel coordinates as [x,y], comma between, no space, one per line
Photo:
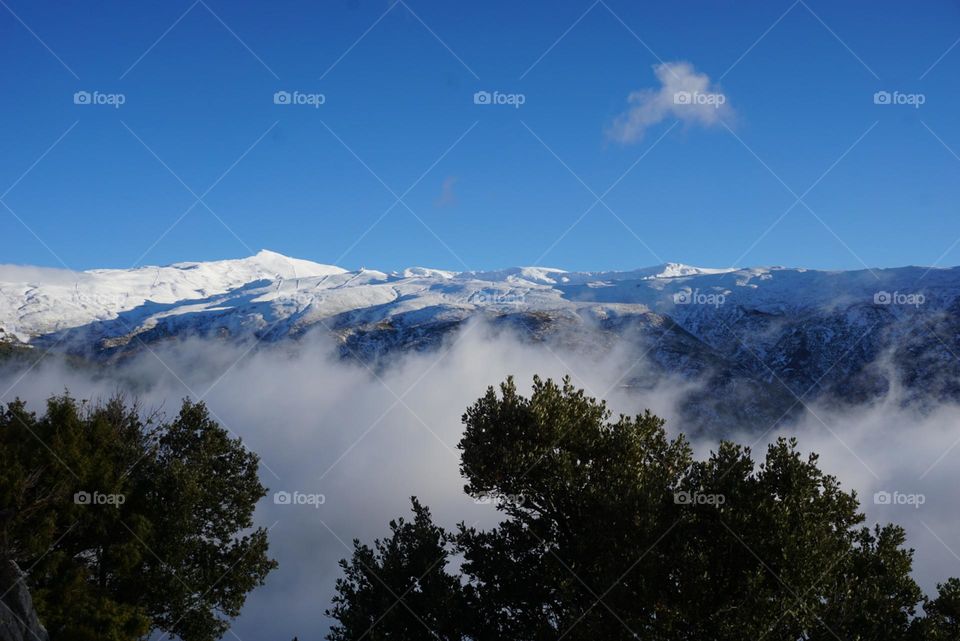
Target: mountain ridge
[37,301]
[761,339]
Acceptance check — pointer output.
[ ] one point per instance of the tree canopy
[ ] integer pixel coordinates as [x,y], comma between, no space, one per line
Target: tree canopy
[129,525]
[612,530]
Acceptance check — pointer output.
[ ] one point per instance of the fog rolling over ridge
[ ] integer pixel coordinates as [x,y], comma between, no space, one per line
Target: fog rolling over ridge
[355,440]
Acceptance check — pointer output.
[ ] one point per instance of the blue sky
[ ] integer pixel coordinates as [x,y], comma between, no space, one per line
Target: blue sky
[482,185]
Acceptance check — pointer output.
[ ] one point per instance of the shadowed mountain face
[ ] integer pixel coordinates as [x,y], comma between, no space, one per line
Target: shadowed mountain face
[756,344]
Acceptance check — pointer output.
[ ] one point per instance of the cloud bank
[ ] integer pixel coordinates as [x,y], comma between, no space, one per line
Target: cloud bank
[685,95]
[366,441]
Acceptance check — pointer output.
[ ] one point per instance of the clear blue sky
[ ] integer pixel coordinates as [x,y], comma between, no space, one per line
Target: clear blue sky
[199,87]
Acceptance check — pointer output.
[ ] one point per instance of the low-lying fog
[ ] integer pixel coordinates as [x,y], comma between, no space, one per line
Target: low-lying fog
[367,441]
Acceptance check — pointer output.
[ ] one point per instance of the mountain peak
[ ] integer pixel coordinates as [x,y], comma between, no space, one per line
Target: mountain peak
[269,253]
[287,267]
[675,270]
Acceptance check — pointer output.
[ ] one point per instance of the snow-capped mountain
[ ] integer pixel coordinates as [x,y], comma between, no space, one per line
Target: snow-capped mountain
[765,339]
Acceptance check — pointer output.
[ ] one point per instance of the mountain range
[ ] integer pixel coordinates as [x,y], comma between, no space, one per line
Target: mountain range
[763,342]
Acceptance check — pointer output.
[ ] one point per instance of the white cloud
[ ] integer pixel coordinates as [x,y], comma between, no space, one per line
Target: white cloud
[684,94]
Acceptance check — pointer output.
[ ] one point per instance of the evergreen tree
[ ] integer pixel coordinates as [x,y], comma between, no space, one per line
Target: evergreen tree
[129,526]
[943,613]
[612,530]
[400,589]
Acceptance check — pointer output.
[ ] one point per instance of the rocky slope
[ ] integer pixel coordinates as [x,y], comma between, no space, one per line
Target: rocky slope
[18,619]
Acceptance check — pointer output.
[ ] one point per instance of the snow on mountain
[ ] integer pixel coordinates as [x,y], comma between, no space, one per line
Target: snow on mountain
[268,287]
[34,302]
[760,337]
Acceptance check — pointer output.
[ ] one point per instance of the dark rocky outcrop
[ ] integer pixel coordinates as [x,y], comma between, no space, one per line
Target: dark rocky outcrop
[18,619]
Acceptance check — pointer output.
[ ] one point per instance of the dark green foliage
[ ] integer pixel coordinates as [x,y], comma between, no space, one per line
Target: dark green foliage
[400,589]
[176,553]
[10,350]
[943,613]
[612,530]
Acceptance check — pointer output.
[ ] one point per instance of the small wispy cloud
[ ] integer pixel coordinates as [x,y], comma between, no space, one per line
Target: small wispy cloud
[684,94]
[447,197]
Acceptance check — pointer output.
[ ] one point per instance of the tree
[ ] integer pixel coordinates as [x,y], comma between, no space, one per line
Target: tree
[612,530]
[130,525]
[400,589]
[943,613]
